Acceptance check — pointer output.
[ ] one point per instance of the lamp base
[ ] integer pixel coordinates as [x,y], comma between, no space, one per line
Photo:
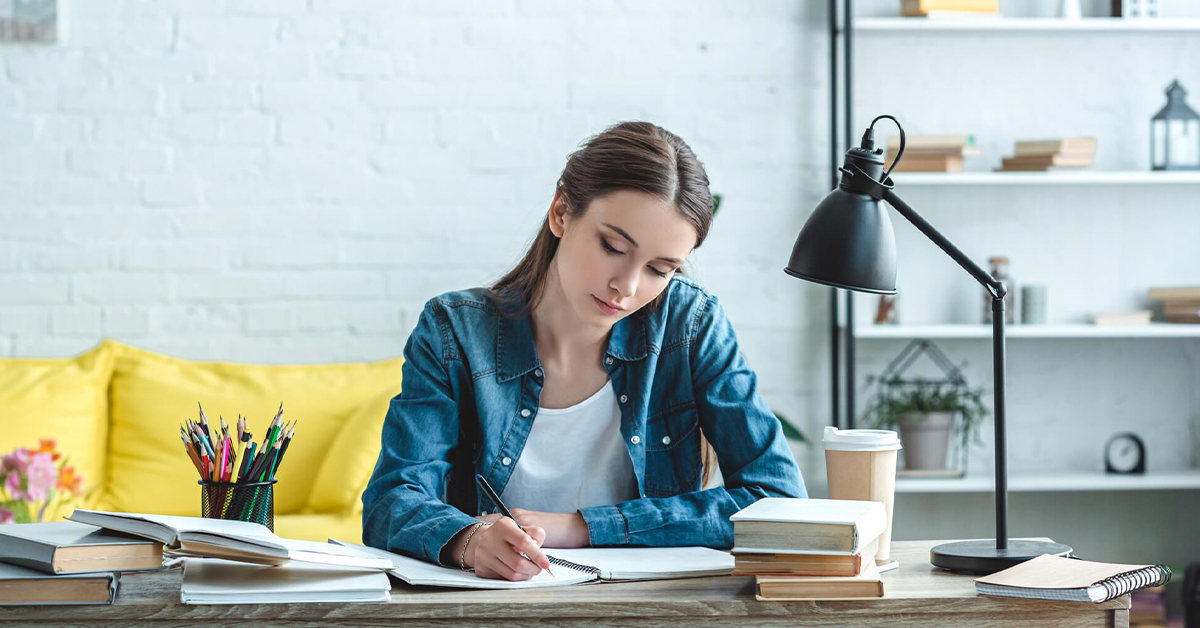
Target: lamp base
[982,557]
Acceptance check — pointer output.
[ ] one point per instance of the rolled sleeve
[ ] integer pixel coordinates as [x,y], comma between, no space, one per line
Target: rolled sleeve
[606,525]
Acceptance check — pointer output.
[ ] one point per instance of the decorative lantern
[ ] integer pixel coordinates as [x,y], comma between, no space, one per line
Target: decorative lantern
[1175,134]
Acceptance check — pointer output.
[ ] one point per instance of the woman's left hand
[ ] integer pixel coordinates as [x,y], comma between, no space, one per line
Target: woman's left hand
[563,529]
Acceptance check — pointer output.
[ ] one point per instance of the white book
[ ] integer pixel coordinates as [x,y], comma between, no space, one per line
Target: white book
[214,581]
[785,525]
[570,566]
[241,541]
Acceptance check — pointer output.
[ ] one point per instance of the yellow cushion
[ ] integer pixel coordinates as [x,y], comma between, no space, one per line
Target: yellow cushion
[320,527]
[63,399]
[153,394]
[351,459]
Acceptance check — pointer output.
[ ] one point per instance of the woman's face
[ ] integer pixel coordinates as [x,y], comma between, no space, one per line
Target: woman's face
[620,254]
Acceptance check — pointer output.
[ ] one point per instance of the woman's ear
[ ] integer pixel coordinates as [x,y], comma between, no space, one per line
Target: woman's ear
[557,217]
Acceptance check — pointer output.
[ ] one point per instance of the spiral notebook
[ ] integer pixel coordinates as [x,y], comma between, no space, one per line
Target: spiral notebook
[571,566]
[1071,580]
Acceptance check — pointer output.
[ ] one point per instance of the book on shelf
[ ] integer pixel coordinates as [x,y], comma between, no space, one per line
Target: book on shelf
[781,525]
[1071,580]
[1175,294]
[921,8]
[932,143]
[1045,163]
[867,584]
[756,564]
[1061,146]
[947,163]
[21,586]
[1137,317]
[241,541]
[58,547]
[214,581]
[1187,309]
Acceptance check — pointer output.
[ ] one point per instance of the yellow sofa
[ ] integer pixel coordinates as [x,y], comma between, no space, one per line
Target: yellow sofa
[115,412]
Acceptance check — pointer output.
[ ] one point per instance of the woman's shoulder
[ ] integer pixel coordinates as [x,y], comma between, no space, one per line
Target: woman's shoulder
[684,303]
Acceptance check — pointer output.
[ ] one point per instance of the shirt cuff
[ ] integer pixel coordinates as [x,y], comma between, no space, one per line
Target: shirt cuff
[606,525]
[442,533]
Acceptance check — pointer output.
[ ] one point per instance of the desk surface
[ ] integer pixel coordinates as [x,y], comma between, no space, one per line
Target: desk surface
[917,594]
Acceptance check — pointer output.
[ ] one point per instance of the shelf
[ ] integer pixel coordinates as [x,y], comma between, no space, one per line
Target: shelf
[1013,24]
[1060,177]
[1185,479]
[1153,330]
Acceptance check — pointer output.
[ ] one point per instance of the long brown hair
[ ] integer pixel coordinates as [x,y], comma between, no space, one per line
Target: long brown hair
[638,156]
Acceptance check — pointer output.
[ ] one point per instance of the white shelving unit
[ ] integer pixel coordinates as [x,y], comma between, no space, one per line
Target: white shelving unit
[1010,25]
[1179,480]
[1075,177]
[933,332]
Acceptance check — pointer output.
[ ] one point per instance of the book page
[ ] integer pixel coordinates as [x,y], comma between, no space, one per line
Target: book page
[419,572]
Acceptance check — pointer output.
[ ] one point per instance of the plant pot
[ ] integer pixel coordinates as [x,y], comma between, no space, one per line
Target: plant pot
[926,438]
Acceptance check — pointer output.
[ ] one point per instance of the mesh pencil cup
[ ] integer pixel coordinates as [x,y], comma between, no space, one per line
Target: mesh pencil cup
[251,501]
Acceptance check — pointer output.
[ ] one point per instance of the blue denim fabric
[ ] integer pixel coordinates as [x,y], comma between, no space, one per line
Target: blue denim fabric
[471,385]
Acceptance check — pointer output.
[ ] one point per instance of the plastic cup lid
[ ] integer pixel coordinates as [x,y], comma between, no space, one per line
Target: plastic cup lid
[860,440]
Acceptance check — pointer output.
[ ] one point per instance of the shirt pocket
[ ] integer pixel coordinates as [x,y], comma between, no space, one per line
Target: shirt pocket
[673,451]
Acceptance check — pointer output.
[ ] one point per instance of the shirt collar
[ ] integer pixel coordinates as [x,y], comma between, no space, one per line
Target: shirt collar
[516,353]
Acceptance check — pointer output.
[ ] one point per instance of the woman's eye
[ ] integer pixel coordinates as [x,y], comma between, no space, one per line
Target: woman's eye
[608,247]
[658,272]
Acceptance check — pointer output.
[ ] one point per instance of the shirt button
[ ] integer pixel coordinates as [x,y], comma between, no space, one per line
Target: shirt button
[666,440]
[525,412]
[506,461]
[608,360]
[635,439]
[624,398]
[538,373]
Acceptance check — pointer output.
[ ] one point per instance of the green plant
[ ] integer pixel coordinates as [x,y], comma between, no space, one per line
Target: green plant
[896,398]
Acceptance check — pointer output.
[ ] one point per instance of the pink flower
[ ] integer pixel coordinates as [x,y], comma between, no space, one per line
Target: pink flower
[6,516]
[41,475]
[13,484]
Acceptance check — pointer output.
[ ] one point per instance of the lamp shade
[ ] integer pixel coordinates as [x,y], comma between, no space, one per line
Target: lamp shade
[848,243]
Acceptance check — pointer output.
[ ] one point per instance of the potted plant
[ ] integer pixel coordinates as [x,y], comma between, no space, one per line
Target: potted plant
[925,412]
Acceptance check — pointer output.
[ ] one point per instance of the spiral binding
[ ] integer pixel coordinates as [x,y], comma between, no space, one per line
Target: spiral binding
[1130,581]
[570,565]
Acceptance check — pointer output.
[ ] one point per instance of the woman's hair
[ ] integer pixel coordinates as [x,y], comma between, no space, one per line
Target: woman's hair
[637,156]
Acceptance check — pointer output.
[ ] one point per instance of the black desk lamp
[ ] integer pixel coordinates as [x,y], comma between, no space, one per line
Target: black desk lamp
[848,243]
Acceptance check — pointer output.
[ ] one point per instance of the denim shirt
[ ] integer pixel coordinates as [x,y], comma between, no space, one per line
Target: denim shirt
[470,393]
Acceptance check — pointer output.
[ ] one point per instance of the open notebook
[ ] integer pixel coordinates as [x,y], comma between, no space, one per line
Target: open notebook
[571,566]
[241,541]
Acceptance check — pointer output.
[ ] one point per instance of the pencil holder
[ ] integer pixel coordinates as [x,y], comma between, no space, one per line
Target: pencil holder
[252,501]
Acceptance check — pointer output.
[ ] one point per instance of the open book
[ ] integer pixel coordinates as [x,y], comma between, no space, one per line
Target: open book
[571,566]
[240,541]
[210,581]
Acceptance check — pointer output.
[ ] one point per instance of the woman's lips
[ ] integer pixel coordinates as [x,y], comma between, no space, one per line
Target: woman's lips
[606,308]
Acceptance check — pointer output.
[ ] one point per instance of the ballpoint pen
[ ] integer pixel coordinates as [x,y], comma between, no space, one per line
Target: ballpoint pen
[487,488]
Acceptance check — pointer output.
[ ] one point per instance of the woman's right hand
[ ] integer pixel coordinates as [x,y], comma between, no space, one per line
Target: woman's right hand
[495,550]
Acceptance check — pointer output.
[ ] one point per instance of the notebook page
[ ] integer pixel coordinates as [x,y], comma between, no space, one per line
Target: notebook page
[419,572]
[649,563]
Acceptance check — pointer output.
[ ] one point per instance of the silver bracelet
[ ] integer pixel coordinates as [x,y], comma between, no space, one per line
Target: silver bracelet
[462,556]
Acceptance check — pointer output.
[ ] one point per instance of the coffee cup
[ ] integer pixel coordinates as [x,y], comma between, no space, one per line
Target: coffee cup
[861,465]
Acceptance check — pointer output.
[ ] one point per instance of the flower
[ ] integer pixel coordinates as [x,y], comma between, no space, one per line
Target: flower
[6,516]
[46,445]
[70,481]
[40,476]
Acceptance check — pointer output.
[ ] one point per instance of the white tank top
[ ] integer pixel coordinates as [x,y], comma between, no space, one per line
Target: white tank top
[574,458]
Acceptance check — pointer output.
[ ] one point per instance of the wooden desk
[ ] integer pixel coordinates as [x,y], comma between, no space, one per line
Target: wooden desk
[917,595]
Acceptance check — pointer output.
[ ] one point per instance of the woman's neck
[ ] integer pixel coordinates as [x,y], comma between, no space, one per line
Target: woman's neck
[560,337]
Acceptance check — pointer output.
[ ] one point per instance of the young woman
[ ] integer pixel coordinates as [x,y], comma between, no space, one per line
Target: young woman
[584,386]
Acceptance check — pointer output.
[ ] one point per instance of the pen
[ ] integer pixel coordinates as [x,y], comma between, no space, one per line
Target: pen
[487,488]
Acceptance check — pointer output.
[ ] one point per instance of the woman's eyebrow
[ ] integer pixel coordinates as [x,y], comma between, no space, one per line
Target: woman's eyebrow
[621,232]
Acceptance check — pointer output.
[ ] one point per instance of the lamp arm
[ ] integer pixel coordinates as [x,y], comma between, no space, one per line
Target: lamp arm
[993,285]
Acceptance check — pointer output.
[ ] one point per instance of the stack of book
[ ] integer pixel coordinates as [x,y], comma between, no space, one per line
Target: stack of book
[932,153]
[1180,305]
[806,549]
[950,8]
[1035,155]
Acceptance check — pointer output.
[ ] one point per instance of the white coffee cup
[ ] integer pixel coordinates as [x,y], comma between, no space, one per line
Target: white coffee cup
[861,465]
